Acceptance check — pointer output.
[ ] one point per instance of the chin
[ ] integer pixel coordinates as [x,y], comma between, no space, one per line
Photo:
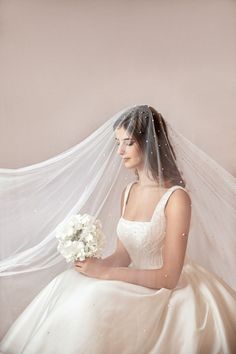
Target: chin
[130,165]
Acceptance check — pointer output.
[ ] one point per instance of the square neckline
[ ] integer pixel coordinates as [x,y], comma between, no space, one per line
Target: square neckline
[145,222]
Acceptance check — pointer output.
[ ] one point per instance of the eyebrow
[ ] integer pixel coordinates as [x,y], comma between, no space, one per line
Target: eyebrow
[125,139]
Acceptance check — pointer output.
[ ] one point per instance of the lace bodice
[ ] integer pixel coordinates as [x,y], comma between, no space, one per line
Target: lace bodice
[144,239]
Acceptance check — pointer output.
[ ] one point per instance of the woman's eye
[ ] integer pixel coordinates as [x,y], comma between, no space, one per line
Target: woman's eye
[127,144]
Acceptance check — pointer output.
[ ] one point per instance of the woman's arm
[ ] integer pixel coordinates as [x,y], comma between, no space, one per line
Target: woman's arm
[178,215]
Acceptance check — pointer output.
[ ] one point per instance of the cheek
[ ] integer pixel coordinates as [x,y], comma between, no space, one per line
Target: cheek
[136,153]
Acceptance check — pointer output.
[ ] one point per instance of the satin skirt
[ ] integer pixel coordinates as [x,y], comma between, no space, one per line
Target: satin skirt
[75,314]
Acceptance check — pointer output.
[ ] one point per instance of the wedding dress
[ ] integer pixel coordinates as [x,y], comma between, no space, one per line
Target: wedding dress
[91,316]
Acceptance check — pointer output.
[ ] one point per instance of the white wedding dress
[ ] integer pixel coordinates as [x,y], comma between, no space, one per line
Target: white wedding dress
[76,314]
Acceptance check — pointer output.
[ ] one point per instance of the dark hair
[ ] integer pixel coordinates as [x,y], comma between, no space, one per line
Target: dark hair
[136,123]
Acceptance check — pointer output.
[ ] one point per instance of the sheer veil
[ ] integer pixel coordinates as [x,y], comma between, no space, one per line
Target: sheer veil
[89,178]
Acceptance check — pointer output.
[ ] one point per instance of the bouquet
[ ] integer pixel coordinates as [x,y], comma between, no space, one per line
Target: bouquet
[81,237]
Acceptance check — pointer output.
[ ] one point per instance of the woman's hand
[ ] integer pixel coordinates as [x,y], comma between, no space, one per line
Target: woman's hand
[92,267]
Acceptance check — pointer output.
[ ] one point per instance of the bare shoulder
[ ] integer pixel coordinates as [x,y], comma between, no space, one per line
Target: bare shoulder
[180,195]
[179,200]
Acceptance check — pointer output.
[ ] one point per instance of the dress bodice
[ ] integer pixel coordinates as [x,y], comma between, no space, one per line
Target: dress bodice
[144,240]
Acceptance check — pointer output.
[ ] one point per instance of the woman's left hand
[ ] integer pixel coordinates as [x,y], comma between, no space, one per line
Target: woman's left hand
[92,267]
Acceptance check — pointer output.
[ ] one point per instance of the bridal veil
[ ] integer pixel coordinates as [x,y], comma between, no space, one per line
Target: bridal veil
[89,178]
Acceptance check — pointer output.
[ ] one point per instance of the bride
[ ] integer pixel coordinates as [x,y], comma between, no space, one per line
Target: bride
[148,296]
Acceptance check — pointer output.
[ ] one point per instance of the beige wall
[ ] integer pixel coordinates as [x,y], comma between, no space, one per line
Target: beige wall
[67,65]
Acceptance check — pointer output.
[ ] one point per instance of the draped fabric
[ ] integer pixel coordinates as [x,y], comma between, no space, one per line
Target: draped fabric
[90,177]
[101,316]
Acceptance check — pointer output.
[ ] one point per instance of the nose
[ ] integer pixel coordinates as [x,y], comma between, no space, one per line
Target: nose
[121,150]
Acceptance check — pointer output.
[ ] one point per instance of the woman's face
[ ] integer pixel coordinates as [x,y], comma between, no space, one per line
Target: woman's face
[128,149]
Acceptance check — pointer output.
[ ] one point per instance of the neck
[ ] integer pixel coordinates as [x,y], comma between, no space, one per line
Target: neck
[144,180]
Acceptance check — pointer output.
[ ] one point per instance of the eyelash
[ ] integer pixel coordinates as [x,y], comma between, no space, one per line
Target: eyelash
[128,144]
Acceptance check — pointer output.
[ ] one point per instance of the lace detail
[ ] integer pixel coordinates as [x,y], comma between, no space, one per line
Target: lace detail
[144,239]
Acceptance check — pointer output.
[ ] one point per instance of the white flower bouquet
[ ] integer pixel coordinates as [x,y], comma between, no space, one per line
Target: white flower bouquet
[81,237]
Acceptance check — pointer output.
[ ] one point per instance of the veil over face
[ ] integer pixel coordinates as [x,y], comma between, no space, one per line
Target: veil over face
[147,130]
[90,178]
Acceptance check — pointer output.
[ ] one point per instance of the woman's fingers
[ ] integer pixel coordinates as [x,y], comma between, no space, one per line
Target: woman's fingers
[79,267]
[78,264]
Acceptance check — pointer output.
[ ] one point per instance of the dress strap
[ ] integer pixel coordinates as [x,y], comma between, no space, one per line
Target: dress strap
[127,190]
[162,202]
[164,199]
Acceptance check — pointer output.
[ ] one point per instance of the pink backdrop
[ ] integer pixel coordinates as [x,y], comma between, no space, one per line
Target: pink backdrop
[66,66]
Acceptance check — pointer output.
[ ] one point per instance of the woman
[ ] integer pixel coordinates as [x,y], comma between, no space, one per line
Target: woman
[147,297]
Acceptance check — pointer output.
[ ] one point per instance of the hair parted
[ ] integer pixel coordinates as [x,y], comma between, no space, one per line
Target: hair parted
[137,123]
